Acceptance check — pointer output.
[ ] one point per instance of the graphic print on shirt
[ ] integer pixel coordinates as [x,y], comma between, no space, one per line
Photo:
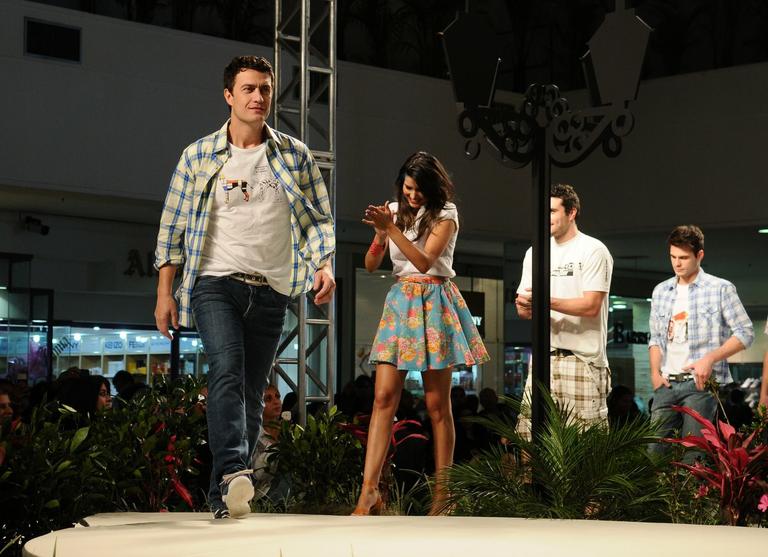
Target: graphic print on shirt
[267,185]
[263,186]
[565,270]
[677,329]
[229,185]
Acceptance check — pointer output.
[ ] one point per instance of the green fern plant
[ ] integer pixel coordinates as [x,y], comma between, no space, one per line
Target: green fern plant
[580,471]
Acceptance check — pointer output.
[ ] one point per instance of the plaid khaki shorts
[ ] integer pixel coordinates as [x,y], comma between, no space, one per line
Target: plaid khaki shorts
[580,386]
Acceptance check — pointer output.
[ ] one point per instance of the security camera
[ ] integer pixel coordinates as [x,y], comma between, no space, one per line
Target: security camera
[31,224]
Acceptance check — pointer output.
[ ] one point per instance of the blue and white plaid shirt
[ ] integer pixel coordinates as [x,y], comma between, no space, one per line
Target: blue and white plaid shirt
[184,221]
[715,314]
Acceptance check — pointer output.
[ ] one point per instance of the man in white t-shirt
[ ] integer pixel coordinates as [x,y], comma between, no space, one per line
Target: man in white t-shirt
[580,269]
[697,321]
[248,215]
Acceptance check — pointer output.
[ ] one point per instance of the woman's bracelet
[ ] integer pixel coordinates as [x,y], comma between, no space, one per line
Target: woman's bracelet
[376,248]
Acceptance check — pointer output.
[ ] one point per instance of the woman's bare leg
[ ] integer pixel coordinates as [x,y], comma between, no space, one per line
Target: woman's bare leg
[389,385]
[437,393]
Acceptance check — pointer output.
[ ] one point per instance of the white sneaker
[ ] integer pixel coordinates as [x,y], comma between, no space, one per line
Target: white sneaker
[237,492]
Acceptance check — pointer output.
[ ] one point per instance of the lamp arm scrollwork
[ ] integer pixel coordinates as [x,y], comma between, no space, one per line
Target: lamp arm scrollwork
[507,129]
[572,136]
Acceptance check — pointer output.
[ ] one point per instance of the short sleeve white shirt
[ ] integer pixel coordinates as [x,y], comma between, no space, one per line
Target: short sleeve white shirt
[582,264]
[443,265]
[250,224]
[678,347]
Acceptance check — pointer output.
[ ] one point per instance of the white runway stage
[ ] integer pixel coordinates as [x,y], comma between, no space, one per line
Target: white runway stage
[273,535]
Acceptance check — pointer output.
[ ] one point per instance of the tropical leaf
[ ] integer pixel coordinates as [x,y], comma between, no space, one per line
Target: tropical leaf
[574,470]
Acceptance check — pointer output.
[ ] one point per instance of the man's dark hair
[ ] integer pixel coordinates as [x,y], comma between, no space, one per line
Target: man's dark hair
[687,236]
[568,195]
[122,380]
[242,63]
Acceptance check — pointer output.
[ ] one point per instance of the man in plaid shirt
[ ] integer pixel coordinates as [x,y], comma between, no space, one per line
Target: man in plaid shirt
[697,321]
[248,216]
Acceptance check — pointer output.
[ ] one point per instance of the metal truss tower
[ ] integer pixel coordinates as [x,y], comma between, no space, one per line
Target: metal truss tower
[305,107]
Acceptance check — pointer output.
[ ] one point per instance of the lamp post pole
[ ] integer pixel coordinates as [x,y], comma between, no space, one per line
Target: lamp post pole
[540,129]
[540,260]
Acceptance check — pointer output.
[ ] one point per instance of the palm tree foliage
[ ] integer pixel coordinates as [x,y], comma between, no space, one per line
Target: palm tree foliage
[573,471]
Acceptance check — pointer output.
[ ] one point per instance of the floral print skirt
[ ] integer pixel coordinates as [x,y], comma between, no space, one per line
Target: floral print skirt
[426,325]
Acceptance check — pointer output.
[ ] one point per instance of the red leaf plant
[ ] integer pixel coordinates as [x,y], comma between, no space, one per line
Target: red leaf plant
[735,465]
[360,430]
[165,478]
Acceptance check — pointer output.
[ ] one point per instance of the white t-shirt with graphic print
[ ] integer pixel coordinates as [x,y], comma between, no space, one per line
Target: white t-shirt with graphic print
[582,264]
[676,355]
[443,265]
[250,225]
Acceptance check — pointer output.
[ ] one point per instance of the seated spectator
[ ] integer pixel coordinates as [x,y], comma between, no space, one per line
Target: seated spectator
[127,388]
[737,411]
[462,447]
[621,406]
[264,482]
[6,407]
[291,404]
[411,454]
[484,437]
[364,391]
[87,395]
[356,398]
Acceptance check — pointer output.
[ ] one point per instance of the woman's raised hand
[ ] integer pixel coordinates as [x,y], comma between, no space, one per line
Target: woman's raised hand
[379,217]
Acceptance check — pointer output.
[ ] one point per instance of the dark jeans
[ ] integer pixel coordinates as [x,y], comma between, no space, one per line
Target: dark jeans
[240,328]
[670,421]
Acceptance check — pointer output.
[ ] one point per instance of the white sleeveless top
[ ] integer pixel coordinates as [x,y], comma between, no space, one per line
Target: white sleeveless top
[443,265]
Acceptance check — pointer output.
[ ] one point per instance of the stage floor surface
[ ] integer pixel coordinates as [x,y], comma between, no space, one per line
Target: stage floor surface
[285,535]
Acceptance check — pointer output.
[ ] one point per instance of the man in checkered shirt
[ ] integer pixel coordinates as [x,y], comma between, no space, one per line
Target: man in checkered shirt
[697,321]
[580,278]
[248,216]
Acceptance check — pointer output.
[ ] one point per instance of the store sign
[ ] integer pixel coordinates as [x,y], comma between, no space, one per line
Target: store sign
[114,346]
[143,267]
[66,344]
[476,304]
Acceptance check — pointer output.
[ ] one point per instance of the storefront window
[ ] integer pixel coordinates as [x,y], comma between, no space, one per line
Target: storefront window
[107,350]
[628,346]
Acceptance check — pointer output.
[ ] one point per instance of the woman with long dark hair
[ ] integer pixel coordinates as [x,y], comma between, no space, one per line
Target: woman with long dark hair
[425,325]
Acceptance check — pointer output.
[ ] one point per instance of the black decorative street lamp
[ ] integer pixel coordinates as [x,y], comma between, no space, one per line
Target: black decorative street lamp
[540,128]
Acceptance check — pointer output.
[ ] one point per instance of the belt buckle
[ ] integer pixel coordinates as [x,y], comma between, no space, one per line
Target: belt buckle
[680,377]
[252,280]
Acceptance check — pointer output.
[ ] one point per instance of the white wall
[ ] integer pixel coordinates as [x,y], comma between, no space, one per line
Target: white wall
[84,261]
[116,123]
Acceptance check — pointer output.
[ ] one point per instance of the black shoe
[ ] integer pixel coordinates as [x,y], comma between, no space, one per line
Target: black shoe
[220,513]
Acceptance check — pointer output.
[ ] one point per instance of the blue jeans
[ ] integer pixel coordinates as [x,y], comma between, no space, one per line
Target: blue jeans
[669,421]
[240,328]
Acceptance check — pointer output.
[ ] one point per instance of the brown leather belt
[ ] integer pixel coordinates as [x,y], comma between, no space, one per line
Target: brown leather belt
[561,353]
[252,280]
